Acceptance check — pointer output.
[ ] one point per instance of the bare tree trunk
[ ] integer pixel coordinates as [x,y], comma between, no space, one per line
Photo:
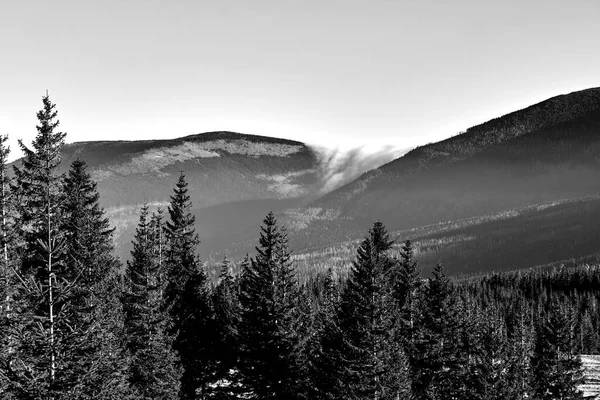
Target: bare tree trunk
[51,273]
[51,293]
[7,299]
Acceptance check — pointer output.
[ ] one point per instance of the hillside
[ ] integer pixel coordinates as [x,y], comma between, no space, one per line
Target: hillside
[543,234]
[234,179]
[220,167]
[543,153]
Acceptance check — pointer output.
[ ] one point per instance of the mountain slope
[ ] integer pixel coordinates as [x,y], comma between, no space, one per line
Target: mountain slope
[545,152]
[548,233]
[234,180]
[220,167]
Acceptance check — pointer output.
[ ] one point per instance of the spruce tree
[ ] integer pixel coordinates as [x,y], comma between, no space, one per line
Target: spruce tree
[96,317]
[325,363]
[187,296]
[181,238]
[37,367]
[406,283]
[226,322]
[433,362]
[375,365]
[492,375]
[6,263]
[5,205]
[268,362]
[556,369]
[196,337]
[153,371]
[521,334]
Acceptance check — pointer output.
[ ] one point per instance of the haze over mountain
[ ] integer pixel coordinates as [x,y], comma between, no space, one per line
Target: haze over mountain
[468,200]
[233,178]
[545,152]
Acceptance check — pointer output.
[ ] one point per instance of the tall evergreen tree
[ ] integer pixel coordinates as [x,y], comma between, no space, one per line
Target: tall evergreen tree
[492,371]
[195,337]
[6,264]
[325,363]
[268,364]
[153,371]
[375,366]
[182,240]
[89,265]
[187,298]
[521,334]
[42,312]
[556,369]
[406,282]
[5,206]
[226,322]
[433,362]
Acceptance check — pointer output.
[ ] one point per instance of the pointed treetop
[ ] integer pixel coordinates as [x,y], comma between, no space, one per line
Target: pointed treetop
[181,218]
[4,150]
[47,143]
[380,237]
[269,236]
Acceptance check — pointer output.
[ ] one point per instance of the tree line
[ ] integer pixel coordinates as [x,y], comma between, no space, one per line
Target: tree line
[73,326]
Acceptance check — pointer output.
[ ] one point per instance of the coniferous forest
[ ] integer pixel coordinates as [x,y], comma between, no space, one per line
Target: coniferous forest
[76,324]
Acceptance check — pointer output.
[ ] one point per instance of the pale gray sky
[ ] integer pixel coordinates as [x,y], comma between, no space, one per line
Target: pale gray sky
[332,72]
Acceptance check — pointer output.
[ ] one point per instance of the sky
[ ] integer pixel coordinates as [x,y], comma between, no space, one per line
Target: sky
[333,73]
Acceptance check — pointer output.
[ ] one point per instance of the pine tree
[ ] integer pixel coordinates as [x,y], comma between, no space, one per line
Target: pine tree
[406,283]
[196,336]
[375,365]
[433,361]
[324,353]
[153,371]
[96,316]
[268,363]
[556,369]
[5,205]
[6,263]
[187,296]
[181,238]
[493,373]
[42,311]
[226,322]
[521,334]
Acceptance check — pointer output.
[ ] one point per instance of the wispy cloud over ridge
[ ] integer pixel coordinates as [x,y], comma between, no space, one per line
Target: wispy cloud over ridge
[343,163]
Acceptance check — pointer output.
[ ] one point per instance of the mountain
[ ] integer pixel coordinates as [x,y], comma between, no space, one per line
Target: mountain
[234,180]
[516,191]
[228,174]
[220,167]
[546,152]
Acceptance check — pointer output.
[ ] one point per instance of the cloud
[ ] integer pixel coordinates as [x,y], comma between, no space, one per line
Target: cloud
[341,165]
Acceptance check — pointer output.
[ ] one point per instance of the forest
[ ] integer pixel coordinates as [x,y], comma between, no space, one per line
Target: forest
[76,324]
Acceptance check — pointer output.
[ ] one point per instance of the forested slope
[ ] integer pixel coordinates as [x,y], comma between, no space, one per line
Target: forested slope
[546,152]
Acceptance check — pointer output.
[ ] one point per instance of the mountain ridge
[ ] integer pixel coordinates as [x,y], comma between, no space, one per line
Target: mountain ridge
[582,102]
[544,152]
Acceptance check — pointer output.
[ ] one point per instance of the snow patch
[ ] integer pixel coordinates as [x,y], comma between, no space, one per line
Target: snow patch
[284,185]
[252,149]
[154,160]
